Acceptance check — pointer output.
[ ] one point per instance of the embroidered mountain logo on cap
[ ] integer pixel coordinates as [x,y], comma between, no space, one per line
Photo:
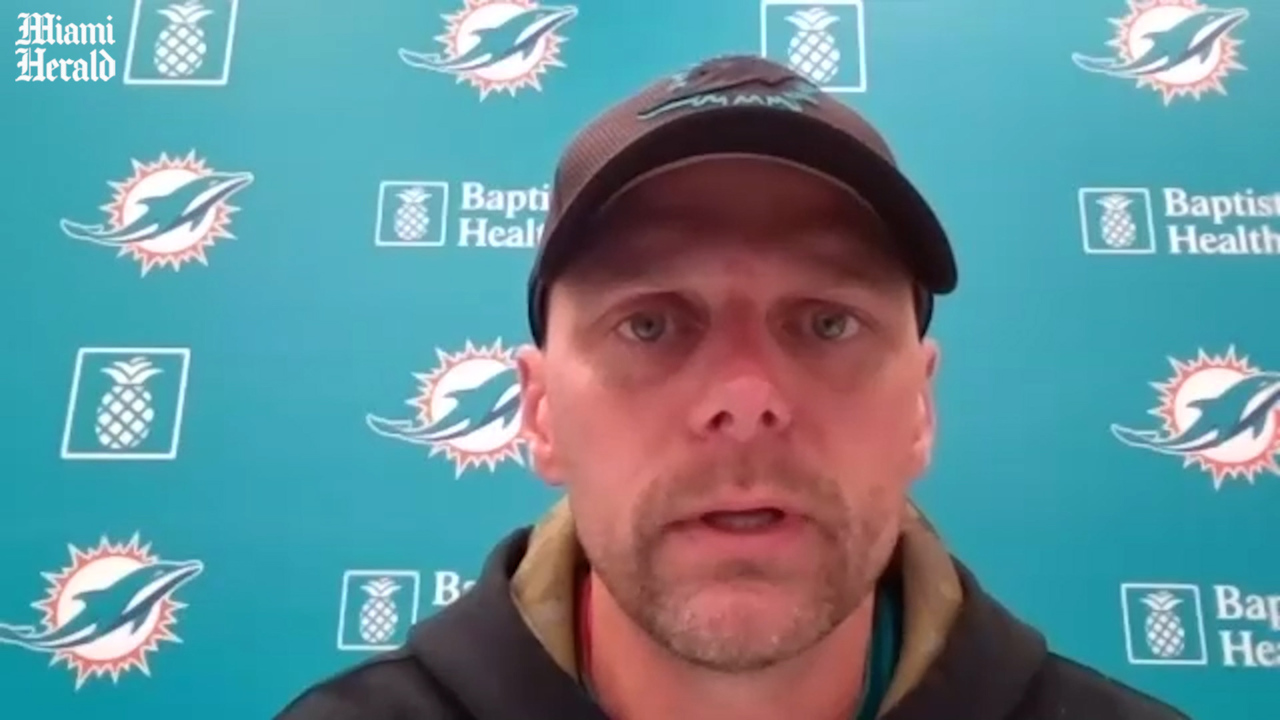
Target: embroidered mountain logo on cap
[735,81]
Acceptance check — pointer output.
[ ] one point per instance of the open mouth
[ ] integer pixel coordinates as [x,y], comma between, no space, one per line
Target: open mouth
[744,521]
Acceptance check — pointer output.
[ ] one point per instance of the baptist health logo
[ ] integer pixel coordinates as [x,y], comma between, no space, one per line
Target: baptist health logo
[169,212]
[126,404]
[467,408]
[106,612]
[379,607]
[824,41]
[434,213]
[1166,624]
[497,45]
[1220,413]
[1129,221]
[38,30]
[1179,48]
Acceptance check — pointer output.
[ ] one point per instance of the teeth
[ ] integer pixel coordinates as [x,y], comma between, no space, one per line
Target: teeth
[748,520]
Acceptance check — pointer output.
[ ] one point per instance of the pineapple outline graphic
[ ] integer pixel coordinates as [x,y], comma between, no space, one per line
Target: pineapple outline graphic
[1116,225]
[121,417]
[412,213]
[376,608]
[412,217]
[1163,630]
[180,47]
[379,616]
[812,51]
[1116,221]
[181,42]
[125,411]
[1164,624]
[823,40]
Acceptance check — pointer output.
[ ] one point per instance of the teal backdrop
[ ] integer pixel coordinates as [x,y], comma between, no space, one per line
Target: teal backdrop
[226,408]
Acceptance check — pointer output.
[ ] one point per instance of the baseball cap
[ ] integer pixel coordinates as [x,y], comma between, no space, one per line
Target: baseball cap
[739,105]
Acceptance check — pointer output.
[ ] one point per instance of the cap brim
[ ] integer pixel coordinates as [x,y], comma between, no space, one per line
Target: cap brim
[915,232]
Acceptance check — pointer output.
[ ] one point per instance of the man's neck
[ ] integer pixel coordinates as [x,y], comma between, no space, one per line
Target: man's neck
[634,679]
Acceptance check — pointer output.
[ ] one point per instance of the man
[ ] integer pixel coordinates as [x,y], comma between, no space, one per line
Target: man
[731,381]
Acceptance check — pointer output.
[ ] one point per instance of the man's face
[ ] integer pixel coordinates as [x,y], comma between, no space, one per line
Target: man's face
[735,396]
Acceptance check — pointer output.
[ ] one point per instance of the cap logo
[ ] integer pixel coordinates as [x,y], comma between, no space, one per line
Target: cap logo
[732,82]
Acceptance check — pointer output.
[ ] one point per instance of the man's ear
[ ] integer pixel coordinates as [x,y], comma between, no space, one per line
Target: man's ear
[927,422]
[533,412]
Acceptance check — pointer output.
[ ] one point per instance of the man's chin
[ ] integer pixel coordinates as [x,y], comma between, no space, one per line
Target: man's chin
[741,605]
[739,626]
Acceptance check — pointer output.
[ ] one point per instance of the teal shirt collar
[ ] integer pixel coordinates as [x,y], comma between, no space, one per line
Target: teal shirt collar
[886,645]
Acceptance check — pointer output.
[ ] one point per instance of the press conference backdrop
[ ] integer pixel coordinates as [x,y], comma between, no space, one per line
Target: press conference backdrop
[263,256]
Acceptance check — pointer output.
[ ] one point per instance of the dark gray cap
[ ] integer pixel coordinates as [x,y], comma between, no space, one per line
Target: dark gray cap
[735,105]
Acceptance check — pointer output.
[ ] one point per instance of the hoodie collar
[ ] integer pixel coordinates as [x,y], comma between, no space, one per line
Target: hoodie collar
[505,649]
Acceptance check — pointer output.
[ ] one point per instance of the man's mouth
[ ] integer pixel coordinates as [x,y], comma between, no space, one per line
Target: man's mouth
[744,521]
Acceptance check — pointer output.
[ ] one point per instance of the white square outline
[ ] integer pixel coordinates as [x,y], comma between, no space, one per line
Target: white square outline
[172,452]
[444,213]
[861,87]
[220,81]
[1203,658]
[342,605]
[1084,220]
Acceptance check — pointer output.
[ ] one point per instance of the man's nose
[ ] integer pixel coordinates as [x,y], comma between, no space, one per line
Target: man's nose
[740,409]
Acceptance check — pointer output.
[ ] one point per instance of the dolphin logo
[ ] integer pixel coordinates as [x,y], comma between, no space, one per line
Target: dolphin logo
[1243,407]
[127,602]
[1193,37]
[497,398]
[518,35]
[186,206]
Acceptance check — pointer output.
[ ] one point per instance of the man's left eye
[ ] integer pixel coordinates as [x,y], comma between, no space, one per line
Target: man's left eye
[832,325]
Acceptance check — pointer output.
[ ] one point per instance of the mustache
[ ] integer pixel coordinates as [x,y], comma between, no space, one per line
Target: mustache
[774,474]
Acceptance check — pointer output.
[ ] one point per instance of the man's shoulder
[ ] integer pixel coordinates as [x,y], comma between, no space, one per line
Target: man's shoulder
[1065,688]
[389,686]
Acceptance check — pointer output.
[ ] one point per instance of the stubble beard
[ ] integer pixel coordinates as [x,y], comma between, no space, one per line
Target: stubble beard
[731,619]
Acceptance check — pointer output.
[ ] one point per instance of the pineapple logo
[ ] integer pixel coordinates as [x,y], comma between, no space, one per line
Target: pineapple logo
[1218,413]
[412,219]
[180,48]
[1118,227]
[1179,48]
[1164,624]
[411,213]
[1165,635]
[498,45]
[371,616]
[167,214]
[812,50]
[823,41]
[1117,221]
[126,403]
[106,612]
[378,616]
[467,408]
[187,42]
[125,412]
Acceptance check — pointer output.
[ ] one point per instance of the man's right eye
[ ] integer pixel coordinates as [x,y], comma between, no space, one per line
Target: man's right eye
[644,327]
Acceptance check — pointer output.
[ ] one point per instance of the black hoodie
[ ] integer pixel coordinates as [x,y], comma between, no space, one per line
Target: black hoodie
[478,659]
